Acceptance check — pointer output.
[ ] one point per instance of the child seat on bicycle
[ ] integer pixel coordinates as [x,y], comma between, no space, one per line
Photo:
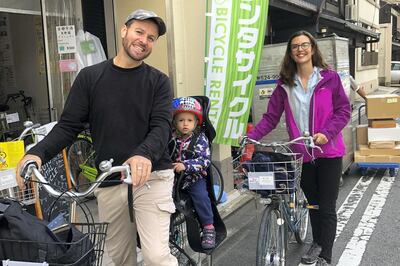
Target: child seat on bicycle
[190,149]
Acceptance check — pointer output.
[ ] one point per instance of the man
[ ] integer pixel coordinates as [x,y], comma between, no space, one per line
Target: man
[357,88]
[128,106]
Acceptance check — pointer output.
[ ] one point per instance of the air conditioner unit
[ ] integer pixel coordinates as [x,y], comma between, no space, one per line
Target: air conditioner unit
[350,12]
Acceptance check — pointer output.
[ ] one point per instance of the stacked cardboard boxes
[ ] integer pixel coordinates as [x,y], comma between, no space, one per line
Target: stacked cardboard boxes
[379,141]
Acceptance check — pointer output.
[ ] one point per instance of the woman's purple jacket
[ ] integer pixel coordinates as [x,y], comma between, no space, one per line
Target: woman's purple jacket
[329,114]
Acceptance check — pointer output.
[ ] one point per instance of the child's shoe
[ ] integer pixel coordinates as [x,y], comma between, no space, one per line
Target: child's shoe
[208,238]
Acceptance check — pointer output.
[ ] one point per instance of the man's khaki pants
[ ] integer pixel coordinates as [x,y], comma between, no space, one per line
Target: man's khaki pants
[152,206]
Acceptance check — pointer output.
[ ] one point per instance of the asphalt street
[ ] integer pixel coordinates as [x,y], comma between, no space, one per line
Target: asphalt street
[368,215]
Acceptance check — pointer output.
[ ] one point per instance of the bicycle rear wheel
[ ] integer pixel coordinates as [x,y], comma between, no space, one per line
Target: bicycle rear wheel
[271,242]
[218,182]
[78,155]
[177,240]
[301,216]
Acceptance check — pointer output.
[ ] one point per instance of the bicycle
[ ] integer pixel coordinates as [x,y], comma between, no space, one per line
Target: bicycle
[93,232]
[276,179]
[81,159]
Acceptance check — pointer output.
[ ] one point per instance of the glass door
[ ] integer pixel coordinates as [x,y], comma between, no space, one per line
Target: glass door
[23,80]
[62,19]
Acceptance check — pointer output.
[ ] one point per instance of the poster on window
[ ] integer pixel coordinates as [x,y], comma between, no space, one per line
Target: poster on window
[66,41]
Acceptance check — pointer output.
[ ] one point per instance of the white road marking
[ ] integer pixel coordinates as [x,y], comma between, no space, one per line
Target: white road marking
[355,249]
[351,202]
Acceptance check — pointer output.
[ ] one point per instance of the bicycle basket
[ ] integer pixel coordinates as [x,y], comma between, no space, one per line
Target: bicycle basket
[273,172]
[88,250]
[8,188]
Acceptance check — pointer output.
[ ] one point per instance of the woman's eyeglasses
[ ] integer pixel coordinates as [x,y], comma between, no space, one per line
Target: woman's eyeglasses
[304,46]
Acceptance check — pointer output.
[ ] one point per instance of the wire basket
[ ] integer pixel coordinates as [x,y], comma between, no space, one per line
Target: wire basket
[275,173]
[26,197]
[88,250]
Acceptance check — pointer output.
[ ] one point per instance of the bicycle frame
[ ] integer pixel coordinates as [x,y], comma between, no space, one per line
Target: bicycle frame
[285,204]
[89,172]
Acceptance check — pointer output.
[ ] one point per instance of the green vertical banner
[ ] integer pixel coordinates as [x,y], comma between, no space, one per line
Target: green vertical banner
[234,43]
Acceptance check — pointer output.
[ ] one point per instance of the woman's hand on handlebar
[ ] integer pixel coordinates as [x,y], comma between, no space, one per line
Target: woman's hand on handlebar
[320,139]
[21,163]
[242,139]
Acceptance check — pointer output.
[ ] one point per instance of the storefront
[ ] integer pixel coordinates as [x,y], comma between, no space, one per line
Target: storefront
[38,55]
[43,46]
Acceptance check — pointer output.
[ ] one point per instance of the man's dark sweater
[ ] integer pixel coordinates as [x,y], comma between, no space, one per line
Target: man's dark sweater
[128,110]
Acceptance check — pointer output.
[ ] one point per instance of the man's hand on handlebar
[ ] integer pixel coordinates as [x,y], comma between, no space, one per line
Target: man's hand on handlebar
[140,169]
[21,163]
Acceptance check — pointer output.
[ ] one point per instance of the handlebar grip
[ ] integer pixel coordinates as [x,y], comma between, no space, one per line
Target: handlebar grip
[24,169]
[243,140]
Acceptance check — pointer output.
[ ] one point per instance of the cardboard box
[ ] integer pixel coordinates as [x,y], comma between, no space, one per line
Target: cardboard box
[381,123]
[358,158]
[383,106]
[364,150]
[382,144]
[384,134]
[362,134]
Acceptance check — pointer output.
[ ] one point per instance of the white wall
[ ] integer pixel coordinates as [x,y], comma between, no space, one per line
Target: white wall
[189,26]
[368,12]
[385,54]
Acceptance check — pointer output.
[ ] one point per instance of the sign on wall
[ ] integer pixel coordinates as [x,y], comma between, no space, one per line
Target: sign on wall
[234,40]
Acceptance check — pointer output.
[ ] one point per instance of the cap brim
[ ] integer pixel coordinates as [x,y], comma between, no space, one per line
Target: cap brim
[161,25]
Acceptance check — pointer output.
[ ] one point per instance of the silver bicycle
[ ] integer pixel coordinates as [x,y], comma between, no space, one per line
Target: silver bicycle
[275,177]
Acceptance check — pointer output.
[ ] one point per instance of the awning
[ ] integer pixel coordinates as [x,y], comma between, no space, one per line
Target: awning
[352,26]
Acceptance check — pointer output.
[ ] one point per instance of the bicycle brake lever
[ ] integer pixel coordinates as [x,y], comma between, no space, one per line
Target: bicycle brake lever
[26,169]
[128,177]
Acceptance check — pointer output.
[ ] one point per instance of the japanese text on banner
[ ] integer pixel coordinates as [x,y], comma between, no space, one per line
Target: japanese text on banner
[236,37]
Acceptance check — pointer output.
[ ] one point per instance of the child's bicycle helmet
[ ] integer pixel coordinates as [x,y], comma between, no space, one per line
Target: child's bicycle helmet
[188,104]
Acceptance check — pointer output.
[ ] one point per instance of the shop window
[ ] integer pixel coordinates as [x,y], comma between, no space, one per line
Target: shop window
[369,58]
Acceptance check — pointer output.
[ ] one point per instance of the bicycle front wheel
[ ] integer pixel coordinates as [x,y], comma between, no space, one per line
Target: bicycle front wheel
[301,216]
[271,242]
[79,160]
[218,182]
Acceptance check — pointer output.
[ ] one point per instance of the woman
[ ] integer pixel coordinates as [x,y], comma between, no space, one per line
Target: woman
[313,99]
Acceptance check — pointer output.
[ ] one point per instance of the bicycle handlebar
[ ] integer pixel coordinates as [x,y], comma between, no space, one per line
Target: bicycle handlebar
[29,126]
[308,141]
[30,167]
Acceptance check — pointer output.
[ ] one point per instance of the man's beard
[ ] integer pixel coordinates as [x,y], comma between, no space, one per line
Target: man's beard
[133,57]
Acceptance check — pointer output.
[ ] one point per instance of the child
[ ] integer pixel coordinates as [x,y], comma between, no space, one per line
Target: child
[193,162]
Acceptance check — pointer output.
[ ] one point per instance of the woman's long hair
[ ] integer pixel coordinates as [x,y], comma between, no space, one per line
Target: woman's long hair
[289,67]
